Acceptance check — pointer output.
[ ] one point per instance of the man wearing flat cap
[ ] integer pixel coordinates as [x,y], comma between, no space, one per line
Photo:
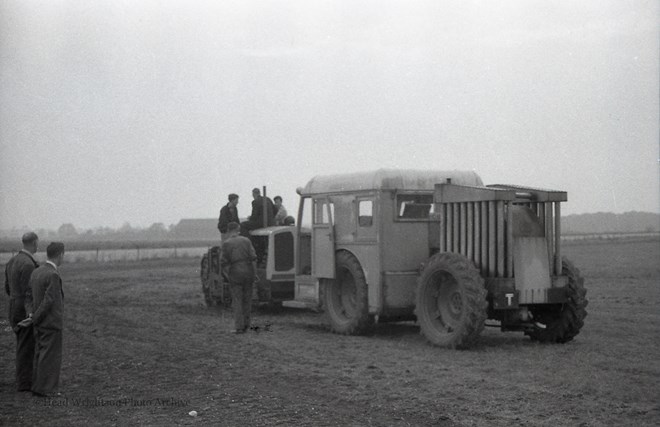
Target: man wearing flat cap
[17,285]
[228,213]
[239,263]
[47,318]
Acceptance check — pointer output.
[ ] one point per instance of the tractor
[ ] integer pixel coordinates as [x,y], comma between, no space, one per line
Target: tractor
[437,247]
[275,268]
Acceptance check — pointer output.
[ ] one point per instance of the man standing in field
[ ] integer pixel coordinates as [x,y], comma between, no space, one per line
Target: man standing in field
[17,285]
[228,213]
[47,318]
[238,262]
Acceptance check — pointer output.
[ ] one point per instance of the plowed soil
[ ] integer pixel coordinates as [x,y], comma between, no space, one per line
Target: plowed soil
[141,348]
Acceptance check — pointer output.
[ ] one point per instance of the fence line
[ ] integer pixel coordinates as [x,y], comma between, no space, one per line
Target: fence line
[136,253]
[609,236]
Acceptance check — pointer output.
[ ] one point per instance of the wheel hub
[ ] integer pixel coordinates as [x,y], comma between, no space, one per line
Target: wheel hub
[448,302]
[456,303]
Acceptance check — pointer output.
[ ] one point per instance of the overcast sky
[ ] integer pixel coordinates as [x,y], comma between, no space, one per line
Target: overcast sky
[153,111]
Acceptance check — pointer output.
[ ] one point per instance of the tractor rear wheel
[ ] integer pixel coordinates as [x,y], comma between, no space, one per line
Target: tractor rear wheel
[563,322]
[206,282]
[345,297]
[451,304]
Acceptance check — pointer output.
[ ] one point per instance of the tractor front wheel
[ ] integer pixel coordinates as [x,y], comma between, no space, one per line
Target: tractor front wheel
[345,297]
[451,301]
[563,321]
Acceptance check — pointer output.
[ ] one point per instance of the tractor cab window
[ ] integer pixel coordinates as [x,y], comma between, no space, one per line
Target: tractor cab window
[305,220]
[321,215]
[365,213]
[414,206]
[367,219]
[305,217]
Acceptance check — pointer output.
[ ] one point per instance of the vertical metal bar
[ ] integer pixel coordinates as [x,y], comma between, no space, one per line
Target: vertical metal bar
[492,241]
[296,246]
[557,238]
[265,209]
[509,240]
[470,231]
[548,232]
[443,227]
[450,227]
[500,238]
[461,224]
[457,230]
[484,238]
[464,228]
[541,214]
[477,234]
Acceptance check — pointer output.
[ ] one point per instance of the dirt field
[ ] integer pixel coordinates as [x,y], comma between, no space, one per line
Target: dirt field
[141,348]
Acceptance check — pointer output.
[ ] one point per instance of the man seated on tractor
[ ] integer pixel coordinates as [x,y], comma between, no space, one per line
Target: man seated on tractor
[280,211]
[256,219]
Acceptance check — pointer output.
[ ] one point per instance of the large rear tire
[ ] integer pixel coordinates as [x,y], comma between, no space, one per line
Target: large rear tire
[451,304]
[345,298]
[563,322]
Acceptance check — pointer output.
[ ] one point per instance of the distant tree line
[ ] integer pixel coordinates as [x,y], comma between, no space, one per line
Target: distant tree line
[68,232]
[607,222]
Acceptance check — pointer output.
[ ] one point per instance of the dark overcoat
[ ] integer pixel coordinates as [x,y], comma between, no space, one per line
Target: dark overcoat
[47,298]
[17,285]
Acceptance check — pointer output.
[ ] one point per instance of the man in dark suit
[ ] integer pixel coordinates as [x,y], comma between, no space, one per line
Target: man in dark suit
[256,219]
[228,213]
[47,318]
[17,285]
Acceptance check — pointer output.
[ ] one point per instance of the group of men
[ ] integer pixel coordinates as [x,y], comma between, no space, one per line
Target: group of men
[36,305]
[238,255]
[275,213]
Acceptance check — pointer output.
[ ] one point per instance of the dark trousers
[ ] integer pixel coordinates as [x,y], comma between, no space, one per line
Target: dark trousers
[47,360]
[24,358]
[241,303]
